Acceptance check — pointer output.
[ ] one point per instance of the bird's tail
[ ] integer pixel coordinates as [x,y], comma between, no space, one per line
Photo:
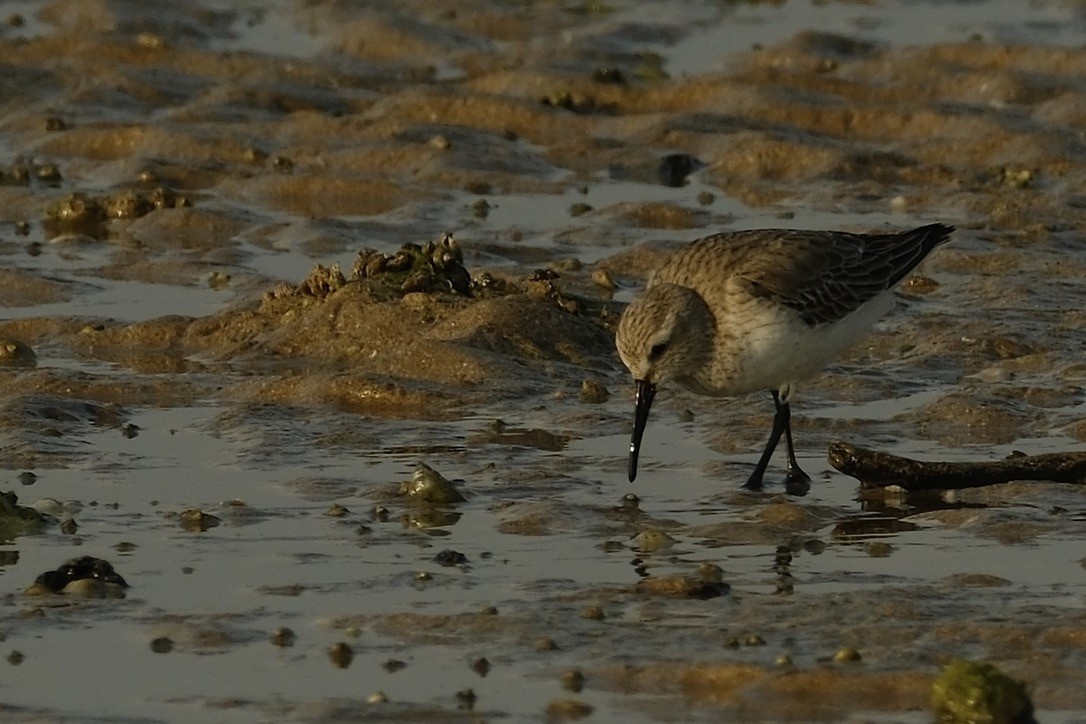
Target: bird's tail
[930,236]
[909,248]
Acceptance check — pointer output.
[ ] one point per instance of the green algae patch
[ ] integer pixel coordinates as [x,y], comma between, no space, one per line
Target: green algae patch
[17,520]
[967,692]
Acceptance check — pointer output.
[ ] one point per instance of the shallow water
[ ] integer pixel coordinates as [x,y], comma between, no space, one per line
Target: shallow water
[994,574]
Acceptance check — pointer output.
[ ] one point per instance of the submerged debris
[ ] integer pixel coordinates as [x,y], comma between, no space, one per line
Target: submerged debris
[86,576]
[875,469]
[17,520]
[424,518]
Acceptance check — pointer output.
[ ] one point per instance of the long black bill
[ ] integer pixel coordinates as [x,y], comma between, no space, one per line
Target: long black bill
[645,392]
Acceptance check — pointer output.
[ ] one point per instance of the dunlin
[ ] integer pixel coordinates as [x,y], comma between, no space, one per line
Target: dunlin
[760,310]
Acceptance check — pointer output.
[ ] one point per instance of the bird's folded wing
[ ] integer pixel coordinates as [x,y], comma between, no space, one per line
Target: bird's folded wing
[828,275]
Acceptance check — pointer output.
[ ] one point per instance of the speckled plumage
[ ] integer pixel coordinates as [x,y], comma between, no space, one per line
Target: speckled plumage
[748,310]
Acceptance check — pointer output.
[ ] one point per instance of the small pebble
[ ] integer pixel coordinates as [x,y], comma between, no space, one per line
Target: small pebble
[466,699]
[449,558]
[601,278]
[218,280]
[593,392]
[846,654]
[197,521]
[545,643]
[592,613]
[674,168]
[573,680]
[877,548]
[150,41]
[652,540]
[282,636]
[481,666]
[609,75]
[567,709]
[162,645]
[430,486]
[710,572]
[341,655]
[377,697]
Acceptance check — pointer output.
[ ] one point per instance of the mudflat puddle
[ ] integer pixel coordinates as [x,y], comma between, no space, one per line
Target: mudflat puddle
[237,434]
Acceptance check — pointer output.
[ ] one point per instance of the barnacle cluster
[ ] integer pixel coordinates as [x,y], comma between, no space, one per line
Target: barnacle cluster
[79,211]
[431,267]
[436,266]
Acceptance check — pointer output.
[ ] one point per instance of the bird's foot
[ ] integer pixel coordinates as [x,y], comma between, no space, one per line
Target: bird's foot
[754,482]
[797,482]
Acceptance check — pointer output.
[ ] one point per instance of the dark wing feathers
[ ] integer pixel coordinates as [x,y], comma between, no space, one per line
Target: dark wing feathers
[826,275]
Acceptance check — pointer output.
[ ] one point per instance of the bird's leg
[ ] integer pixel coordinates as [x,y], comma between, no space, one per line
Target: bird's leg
[780,425]
[796,482]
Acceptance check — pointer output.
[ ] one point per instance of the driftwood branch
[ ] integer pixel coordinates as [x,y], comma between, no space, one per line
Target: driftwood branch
[878,469]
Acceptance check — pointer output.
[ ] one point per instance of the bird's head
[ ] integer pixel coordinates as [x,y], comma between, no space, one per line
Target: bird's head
[666,334]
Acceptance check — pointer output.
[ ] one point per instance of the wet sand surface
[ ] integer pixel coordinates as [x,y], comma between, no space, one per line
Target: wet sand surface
[236,429]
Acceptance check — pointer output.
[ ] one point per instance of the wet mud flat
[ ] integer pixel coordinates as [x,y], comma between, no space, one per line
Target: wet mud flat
[233,327]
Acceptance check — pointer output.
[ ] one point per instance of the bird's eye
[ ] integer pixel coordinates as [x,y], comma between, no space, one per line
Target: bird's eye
[657,351]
